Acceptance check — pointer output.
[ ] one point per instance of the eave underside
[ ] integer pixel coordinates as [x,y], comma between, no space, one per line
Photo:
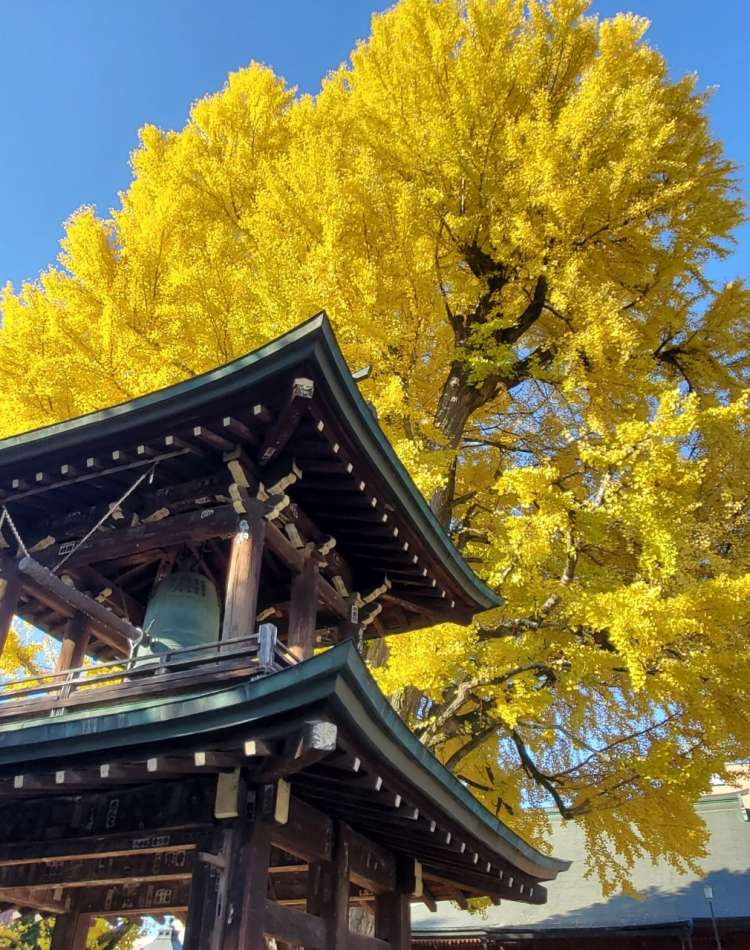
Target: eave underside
[365,774]
[297,455]
[99,820]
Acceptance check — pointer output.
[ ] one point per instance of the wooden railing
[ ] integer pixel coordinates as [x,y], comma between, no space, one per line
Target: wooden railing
[149,675]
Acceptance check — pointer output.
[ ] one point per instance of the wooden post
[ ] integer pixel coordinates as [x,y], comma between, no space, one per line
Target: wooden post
[339,925]
[303,611]
[206,906]
[393,909]
[328,890]
[10,588]
[248,881]
[73,647]
[243,577]
[393,920]
[70,930]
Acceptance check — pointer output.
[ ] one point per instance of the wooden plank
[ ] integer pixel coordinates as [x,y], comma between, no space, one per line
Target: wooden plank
[124,900]
[174,865]
[243,578]
[303,611]
[141,811]
[295,927]
[10,589]
[102,846]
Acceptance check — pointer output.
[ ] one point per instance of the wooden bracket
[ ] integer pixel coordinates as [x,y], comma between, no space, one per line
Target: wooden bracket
[278,436]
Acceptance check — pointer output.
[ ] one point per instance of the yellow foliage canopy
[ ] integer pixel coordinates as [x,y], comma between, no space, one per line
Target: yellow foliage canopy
[507,209]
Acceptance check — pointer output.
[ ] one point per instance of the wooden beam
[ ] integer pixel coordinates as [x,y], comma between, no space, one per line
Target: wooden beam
[308,833]
[243,578]
[195,526]
[172,865]
[100,617]
[289,418]
[140,812]
[101,847]
[36,899]
[124,901]
[295,927]
[313,742]
[107,591]
[303,611]
[10,590]
[371,866]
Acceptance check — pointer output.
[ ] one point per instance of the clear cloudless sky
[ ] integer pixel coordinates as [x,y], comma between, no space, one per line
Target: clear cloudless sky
[78,78]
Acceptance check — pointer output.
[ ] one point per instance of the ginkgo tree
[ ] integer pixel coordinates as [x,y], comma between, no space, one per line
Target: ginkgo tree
[511,212]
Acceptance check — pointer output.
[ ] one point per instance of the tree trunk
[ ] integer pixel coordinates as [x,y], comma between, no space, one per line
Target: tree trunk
[458,400]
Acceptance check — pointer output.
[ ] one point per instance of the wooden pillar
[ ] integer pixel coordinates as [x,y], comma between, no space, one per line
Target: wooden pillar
[10,589]
[248,884]
[303,611]
[393,919]
[70,930]
[393,909]
[207,905]
[73,647]
[339,923]
[328,890]
[243,577]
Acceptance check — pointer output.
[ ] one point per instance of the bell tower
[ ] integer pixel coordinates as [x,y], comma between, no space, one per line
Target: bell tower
[212,557]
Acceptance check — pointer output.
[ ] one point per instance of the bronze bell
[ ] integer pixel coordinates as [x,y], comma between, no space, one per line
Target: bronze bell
[183,612]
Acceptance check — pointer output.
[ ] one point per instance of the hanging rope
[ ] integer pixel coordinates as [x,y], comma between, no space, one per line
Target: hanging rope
[112,508]
[6,517]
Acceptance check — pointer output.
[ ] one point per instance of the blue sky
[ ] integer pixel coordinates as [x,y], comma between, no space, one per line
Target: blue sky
[78,78]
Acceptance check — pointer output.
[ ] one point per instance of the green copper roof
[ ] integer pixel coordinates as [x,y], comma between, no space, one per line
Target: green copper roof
[312,343]
[336,679]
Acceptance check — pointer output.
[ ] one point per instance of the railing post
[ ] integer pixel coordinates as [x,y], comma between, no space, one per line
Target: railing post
[267,645]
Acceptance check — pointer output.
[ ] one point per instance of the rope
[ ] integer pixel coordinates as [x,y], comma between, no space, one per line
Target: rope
[112,508]
[6,517]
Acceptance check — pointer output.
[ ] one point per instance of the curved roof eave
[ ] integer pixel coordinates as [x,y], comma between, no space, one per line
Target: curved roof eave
[313,340]
[337,677]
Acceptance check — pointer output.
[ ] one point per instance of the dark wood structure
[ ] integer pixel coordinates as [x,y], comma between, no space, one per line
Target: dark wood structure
[255,787]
